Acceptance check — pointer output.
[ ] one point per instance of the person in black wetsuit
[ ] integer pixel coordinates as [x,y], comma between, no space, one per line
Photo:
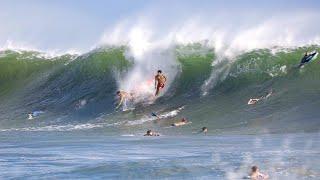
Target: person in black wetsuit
[307,57]
[306,54]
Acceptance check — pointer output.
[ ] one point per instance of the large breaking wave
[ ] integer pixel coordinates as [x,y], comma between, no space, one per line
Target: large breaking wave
[78,91]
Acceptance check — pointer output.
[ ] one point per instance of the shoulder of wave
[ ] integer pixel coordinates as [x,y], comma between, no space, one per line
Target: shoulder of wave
[41,54]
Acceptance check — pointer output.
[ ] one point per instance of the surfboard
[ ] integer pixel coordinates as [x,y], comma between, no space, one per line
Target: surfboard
[309,58]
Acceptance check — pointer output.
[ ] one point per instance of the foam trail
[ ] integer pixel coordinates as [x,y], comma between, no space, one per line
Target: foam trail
[164,115]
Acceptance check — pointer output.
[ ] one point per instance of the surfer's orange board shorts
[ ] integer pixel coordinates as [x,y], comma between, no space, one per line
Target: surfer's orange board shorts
[160,85]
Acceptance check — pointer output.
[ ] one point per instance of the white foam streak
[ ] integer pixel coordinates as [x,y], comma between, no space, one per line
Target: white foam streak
[169,114]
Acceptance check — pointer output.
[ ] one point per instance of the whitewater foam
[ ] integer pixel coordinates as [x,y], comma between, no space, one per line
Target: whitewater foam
[39,53]
[145,41]
[164,115]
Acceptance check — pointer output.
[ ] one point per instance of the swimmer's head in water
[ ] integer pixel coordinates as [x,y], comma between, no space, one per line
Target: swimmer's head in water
[149,132]
[183,120]
[118,92]
[254,168]
[204,129]
[159,71]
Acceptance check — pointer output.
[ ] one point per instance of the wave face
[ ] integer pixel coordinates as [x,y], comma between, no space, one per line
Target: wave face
[76,91]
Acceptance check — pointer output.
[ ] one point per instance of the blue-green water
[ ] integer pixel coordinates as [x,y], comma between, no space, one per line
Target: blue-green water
[81,155]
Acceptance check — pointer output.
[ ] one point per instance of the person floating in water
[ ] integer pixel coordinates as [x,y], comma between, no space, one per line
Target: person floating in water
[159,82]
[256,175]
[253,101]
[204,130]
[151,133]
[123,96]
[182,122]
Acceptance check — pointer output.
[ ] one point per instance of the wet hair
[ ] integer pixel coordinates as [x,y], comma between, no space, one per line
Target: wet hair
[149,131]
[254,168]
[118,92]
[183,120]
[159,71]
[204,128]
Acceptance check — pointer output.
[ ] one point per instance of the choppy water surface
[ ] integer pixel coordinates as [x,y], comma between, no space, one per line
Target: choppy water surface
[74,155]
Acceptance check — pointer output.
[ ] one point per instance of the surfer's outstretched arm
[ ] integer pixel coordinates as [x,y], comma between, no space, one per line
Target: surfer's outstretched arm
[155,82]
[120,103]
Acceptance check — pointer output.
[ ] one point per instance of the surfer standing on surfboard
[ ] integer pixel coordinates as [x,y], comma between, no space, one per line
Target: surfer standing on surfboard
[159,82]
[308,56]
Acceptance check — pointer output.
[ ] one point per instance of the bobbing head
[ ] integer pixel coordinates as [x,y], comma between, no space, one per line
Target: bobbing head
[254,169]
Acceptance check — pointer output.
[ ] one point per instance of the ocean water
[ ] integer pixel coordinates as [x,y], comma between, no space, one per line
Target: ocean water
[91,155]
[80,135]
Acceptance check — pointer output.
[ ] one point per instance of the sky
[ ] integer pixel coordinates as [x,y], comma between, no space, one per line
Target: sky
[80,24]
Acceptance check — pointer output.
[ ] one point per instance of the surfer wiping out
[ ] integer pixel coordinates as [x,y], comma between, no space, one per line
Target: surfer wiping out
[253,101]
[123,96]
[159,82]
